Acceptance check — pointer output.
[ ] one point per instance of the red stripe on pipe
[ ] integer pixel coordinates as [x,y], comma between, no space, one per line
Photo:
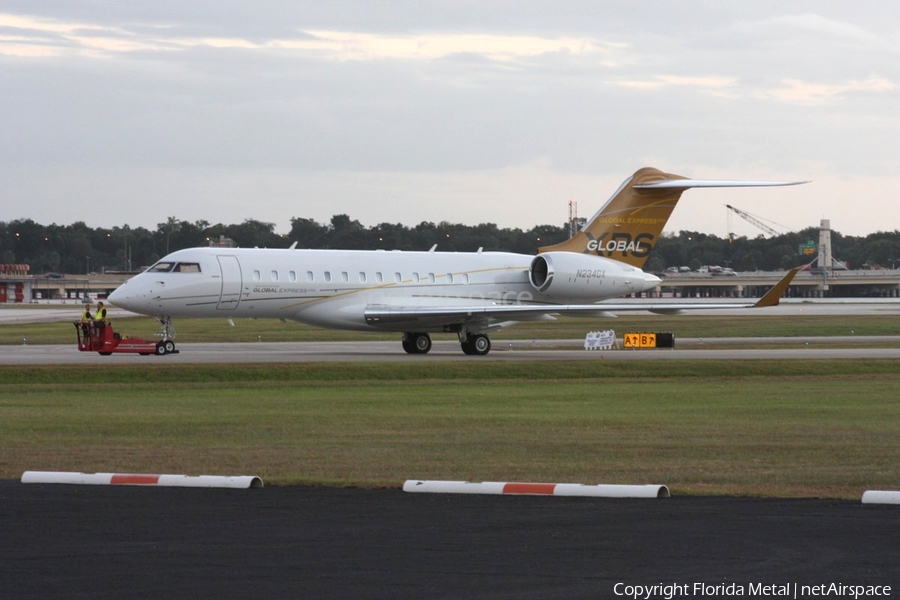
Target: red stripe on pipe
[529,488]
[134,480]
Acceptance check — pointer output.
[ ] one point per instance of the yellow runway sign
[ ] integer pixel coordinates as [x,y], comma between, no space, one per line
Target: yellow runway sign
[639,340]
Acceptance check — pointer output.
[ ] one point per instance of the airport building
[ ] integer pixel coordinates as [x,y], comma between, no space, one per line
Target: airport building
[24,289]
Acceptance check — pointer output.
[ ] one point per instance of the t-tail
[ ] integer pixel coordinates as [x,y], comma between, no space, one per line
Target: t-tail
[628,225]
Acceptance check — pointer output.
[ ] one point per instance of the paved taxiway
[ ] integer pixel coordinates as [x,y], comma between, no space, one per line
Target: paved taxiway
[67,541]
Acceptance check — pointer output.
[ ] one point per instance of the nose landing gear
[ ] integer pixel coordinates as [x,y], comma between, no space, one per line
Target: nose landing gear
[168,328]
[165,344]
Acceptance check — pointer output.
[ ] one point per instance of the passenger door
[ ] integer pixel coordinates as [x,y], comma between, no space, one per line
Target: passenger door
[232,281]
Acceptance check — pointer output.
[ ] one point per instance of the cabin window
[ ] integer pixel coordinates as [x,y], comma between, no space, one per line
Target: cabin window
[310,276]
[187,268]
[274,275]
[431,278]
[415,278]
[345,276]
[161,267]
[256,275]
[378,277]
[328,276]
[362,277]
[292,275]
[465,278]
[398,278]
[449,277]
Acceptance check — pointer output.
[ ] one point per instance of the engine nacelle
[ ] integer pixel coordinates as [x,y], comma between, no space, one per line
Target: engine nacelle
[572,276]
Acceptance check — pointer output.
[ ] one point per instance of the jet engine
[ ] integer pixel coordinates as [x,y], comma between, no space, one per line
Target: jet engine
[572,276]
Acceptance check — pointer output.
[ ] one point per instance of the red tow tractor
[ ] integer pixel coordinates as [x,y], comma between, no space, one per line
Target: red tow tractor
[96,336]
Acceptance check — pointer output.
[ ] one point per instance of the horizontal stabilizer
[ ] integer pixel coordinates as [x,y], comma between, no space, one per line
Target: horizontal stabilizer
[684,184]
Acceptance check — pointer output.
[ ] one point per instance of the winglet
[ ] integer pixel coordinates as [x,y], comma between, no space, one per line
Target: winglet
[773,296]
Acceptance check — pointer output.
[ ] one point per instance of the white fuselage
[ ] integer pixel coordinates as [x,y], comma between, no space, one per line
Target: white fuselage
[333,288]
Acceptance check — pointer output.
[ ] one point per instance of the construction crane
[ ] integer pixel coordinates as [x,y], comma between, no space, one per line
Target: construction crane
[753,220]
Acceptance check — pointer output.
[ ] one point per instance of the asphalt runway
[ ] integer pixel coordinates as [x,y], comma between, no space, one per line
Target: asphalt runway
[72,541]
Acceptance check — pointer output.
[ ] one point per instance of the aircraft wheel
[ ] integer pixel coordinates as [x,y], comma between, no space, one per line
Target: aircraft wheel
[467,347]
[160,349]
[417,343]
[169,346]
[480,344]
[422,343]
[104,353]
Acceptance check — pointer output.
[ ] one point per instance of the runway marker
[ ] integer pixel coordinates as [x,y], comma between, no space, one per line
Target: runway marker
[880,497]
[541,489]
[202,481]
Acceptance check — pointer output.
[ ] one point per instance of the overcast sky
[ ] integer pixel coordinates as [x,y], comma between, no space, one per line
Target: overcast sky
[120,113]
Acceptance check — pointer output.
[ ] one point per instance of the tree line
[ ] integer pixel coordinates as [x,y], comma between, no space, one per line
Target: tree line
[79,249]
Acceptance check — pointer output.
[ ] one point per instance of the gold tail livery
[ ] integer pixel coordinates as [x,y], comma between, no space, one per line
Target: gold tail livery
[628,225]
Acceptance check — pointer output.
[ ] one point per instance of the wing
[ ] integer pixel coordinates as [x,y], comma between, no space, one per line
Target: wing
[483,317]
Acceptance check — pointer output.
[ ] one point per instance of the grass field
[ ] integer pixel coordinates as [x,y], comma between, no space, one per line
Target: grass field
[794,428]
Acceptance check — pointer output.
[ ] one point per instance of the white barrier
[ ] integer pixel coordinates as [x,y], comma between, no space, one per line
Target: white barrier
[880,497]
[544,489]
[202,481]
[600,340]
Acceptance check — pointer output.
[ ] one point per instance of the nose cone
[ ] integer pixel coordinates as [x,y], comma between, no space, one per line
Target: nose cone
[117,296]
[651,281]
[122,298]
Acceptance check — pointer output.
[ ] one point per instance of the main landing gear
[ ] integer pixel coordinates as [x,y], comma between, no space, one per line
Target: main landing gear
[416,343]
[477,344]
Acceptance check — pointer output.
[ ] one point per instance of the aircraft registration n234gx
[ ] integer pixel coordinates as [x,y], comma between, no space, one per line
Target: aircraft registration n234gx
[471,294]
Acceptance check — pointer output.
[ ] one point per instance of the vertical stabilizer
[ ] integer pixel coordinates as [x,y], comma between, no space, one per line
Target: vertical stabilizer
[627,226]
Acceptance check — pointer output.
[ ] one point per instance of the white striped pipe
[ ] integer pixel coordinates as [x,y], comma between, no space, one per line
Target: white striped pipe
[203,481]
[880,497]
[545,489]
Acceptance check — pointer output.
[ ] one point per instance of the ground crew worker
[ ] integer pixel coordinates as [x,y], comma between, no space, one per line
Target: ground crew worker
[86,320]
[100,315]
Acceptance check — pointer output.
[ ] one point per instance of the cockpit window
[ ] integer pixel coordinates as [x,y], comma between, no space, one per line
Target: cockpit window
[187,268]
[161,267]
[171,267]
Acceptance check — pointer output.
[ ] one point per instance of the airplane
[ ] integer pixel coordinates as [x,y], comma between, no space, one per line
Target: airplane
[472,294]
